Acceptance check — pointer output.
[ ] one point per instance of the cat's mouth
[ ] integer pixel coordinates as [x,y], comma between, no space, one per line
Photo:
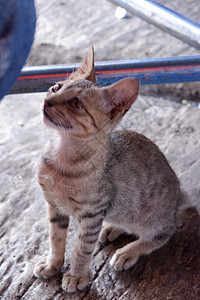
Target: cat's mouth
[48,117]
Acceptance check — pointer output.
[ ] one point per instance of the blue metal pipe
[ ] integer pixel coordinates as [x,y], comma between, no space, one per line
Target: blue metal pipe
[148,71]
[164,18]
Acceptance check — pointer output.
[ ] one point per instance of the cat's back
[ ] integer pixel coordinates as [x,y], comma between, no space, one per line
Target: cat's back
[127,144]
[143,183]
[132,155]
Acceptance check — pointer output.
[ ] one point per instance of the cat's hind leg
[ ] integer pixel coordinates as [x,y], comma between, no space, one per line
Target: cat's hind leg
[109,233]
[127,256]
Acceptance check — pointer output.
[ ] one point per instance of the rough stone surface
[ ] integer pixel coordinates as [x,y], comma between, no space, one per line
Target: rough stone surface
[65,29]
[172,272]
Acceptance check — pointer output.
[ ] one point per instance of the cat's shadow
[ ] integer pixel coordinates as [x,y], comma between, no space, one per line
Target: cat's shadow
[165,267]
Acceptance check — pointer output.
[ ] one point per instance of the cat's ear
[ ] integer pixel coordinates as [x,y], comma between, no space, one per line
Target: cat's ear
[121,96]
[86,70]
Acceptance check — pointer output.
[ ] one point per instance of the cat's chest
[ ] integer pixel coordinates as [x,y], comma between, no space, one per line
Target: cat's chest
[71,194]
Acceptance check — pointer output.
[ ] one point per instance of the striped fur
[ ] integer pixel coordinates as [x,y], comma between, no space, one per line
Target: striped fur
[96,175]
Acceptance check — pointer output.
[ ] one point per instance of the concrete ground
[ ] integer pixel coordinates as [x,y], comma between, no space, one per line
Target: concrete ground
[65,29]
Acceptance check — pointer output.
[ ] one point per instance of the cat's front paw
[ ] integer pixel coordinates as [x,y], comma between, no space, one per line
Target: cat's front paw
[72,283]
[123,259]
[45,268]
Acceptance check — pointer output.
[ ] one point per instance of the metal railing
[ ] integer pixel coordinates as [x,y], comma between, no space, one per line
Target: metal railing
[164,18]
[148,71]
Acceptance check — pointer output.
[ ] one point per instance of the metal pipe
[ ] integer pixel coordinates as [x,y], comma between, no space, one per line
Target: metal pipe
[164,18]
[148,71]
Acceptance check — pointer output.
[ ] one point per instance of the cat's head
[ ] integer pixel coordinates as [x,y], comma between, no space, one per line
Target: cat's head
[81,108]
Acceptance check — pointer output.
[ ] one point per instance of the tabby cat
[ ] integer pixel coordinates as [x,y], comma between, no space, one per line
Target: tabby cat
[111,181]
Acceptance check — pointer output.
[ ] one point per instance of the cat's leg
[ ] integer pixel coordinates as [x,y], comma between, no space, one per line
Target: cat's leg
[50,265]
[127,256]
[77,277]
[109,233]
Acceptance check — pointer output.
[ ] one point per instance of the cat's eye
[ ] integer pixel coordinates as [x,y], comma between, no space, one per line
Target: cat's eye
[56,87]
[75,103]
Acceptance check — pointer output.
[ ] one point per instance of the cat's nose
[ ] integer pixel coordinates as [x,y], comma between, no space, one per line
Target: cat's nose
[47,103]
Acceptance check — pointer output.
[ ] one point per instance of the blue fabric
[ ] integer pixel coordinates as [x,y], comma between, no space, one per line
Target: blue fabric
[17,27]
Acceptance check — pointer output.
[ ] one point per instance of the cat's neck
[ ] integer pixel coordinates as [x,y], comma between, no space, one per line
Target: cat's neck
[69,153]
